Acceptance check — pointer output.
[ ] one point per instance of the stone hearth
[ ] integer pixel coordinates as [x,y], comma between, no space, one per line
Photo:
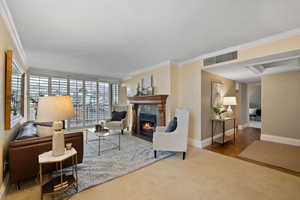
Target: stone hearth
[148,112]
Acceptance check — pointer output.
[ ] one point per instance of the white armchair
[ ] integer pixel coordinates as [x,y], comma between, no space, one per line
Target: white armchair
[118,125]
[176,140]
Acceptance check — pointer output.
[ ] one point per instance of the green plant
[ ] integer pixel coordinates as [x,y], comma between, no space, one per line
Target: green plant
[219,110]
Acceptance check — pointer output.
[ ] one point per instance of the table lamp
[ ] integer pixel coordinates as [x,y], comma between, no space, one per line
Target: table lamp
[55,109]
[229,101]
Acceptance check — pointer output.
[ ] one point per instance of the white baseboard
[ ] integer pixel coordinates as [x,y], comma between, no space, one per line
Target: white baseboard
[207,141]
[280,139]
[195,143]
[4,187]
[242,126]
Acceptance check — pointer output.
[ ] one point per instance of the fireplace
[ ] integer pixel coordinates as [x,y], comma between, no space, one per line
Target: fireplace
[148,112]
[147,124]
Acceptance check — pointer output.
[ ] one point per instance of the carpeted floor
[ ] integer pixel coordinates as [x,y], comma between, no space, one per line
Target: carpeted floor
[280,155]
[203,175]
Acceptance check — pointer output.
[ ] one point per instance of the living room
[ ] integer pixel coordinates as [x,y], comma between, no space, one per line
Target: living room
[142,80]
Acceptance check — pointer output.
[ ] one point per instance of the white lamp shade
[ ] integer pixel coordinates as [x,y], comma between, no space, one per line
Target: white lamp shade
[55,108]
[229,101]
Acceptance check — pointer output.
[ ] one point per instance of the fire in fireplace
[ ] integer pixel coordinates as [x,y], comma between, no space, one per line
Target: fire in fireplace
[147,123]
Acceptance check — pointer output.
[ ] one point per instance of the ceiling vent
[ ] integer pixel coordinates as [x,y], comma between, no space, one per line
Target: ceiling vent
[220,58]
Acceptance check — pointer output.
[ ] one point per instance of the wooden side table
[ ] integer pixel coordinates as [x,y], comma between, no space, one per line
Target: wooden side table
[62,182]
[224,138]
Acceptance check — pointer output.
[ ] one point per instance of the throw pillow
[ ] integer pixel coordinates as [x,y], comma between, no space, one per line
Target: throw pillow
[172,125]
[118,116]
[44,131]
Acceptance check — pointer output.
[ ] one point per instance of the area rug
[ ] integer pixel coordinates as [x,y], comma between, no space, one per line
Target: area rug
[280,155]
[135,153]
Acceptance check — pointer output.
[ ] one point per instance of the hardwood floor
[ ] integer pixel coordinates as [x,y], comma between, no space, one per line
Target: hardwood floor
[244,138]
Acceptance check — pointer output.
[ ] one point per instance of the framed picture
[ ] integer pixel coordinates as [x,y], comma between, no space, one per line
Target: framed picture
[14,91]
[217,94]
[147,82]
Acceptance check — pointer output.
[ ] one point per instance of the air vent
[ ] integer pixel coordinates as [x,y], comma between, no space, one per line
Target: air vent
[220,58]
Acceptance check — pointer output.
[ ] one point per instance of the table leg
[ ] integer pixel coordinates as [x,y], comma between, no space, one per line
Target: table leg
[223,132]
[76,172]
[41,181]
[212,132]
[234,131]
[86,136]
[61,173]
[119,141]
[99,146]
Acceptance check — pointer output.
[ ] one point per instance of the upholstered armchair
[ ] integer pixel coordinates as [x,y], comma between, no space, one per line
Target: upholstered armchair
[118,125]
[173,141]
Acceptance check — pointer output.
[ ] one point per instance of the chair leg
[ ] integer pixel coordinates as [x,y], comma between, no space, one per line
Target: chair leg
[155,153]
[122,131]
[18,185]
[183,155]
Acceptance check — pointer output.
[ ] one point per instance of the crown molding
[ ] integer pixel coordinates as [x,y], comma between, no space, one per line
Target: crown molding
[8,20]
[255,43]
[71,75]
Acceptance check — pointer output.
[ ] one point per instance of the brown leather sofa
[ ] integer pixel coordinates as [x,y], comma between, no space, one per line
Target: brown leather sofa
[24,150]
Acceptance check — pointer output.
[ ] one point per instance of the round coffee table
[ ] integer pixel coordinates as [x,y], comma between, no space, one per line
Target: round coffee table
[102,135]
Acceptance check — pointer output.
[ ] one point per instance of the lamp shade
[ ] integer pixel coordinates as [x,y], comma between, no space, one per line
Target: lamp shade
[229,101]
[54,108]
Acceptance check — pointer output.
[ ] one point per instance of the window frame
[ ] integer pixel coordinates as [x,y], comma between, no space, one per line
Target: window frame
[84,80]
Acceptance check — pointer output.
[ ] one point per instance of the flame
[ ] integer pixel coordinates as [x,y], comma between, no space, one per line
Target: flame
[148,126]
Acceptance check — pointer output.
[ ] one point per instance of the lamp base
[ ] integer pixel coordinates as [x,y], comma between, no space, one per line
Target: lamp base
[229,109]
[58,143]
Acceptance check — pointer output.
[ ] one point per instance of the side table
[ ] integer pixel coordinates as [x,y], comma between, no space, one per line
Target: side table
[62,182]
[224,137]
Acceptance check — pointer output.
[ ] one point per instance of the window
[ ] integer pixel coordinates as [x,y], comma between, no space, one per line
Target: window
[115,93]
[91,99]
[59,87]
[90,102]
[103,101]
[76,93]
[38,86]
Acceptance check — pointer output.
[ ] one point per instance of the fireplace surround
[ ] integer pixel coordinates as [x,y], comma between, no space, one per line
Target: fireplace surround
[148,112]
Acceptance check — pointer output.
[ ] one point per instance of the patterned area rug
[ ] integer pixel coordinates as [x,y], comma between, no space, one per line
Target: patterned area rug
[135,153]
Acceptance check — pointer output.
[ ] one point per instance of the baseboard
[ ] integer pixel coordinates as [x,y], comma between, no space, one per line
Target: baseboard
[195,143]
[242,126]
[4,187]
[280,139]
[206,142]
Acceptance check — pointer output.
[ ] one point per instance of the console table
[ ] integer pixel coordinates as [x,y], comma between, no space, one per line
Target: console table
[224,138]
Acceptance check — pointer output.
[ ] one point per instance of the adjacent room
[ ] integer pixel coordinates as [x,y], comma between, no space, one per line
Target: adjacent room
[149,99]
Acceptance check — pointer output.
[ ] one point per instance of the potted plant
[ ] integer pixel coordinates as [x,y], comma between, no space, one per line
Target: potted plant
[218,112]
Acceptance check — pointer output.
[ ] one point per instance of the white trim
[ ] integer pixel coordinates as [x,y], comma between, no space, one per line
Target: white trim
[4,187]
[242,126]
[8,20]
[255,43]
[195,143]
[280,139]
[152,67]
[207,141]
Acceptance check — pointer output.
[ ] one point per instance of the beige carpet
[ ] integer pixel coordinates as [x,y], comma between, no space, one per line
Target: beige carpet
[280,155]
[204,175]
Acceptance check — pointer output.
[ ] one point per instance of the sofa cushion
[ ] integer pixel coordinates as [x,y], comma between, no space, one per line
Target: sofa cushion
[118,116]
[172,125]
[44,131]
[28,130]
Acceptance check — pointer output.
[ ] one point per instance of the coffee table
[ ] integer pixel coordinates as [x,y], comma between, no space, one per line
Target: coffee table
[103,135]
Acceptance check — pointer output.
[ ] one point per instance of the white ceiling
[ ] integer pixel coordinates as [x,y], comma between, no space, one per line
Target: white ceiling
[115,38]
[251,71]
